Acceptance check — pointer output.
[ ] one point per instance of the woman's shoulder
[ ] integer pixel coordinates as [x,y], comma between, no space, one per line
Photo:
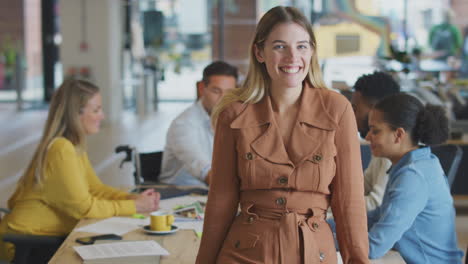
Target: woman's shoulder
[408,175]
[331,102]
[418,170]
[232,111]
[331,97]
[60,145]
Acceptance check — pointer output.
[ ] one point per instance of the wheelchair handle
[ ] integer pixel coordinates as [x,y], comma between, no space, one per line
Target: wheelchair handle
[128,153]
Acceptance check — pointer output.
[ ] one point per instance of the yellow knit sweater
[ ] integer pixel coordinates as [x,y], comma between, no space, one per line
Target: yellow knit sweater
[70,191]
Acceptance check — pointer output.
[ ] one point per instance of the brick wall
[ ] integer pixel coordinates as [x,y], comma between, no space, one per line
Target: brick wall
[11,21]
[239,28]
[20,26]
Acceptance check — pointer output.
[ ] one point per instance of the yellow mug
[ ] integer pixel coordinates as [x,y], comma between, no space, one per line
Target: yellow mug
[161,221]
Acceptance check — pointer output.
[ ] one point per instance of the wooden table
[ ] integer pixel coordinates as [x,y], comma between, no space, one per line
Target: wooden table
[183,247]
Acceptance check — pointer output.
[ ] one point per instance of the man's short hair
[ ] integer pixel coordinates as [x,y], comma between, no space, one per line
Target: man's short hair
[219,68]
[374,87]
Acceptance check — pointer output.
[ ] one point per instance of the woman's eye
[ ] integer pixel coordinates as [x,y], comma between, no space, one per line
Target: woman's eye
[302,47]
[278,47]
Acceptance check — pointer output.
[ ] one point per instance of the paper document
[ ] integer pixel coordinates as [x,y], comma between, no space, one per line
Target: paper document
[114,225]
[121,249]
[170,204]
[197,226]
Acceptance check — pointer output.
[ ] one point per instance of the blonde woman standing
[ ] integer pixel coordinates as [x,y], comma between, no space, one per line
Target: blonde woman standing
[285,150]
[60,186]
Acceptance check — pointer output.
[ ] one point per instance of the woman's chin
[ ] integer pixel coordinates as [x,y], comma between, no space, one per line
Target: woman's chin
[92,131]
[376,153]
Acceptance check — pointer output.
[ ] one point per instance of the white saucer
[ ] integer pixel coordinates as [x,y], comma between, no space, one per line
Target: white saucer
[151,232]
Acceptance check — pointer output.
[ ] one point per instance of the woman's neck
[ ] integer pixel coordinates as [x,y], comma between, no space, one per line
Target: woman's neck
[402,152]
[285,99]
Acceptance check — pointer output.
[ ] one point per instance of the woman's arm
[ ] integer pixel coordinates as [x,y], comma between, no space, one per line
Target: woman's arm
[100,190]
[66,187]
[223,197]
[347,198]
[407,197]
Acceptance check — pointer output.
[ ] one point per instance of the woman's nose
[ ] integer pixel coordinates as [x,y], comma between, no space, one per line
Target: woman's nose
[367,138]
[292,54]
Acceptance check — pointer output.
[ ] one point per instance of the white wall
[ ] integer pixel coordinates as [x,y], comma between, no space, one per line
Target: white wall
[103,27]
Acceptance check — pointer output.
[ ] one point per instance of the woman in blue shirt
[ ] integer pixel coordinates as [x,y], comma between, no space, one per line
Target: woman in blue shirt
[416,217]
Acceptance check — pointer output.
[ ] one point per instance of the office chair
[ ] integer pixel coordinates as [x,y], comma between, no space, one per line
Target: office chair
[147,165]
[450,157]
[150,166]
[32,248]
[147,168]
[366,155]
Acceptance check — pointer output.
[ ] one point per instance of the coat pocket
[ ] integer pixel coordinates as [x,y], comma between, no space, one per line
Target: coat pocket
[246,164]
[323,168]
[254,170]
[242,245]
[244,241]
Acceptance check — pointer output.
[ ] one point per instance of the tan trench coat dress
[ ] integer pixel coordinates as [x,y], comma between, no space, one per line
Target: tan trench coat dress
[284,191]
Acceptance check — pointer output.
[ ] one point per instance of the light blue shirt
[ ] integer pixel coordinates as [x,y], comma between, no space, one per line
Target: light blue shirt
[417,217]
[189,148]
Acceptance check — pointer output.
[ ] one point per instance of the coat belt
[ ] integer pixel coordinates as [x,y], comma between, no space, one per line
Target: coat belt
[297,223]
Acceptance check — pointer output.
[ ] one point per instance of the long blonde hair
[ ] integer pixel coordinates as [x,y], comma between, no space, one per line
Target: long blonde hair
[63,120]
[257,81]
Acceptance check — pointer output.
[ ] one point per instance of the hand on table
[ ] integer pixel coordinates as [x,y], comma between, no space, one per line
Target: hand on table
[147,201]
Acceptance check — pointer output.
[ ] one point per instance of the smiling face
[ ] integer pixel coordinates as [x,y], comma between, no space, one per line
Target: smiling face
[91,115]
[383,139]
[287,54]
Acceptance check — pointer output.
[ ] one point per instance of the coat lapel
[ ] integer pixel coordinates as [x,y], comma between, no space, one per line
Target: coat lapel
[312,115]
[269,144]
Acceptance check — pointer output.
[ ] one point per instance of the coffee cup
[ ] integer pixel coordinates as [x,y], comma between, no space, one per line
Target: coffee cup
[161,221]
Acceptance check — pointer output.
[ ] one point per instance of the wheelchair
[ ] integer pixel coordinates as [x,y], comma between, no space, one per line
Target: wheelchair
[147,167]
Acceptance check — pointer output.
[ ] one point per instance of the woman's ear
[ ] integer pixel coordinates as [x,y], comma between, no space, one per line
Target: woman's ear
[400,134]
[258,53]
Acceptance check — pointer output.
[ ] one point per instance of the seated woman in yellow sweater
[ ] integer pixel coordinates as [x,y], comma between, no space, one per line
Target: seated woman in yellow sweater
[60,186]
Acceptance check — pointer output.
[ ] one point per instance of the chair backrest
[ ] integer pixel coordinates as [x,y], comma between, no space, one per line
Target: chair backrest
[466,257]
[366,155]
[449,157]
[149,166]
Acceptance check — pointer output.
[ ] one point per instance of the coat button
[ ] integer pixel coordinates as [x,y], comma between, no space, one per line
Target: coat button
[237,244]
[317,158]
[315,225]
[250,219]
[283,180]
[322,256]
[249,156]
[281,201]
